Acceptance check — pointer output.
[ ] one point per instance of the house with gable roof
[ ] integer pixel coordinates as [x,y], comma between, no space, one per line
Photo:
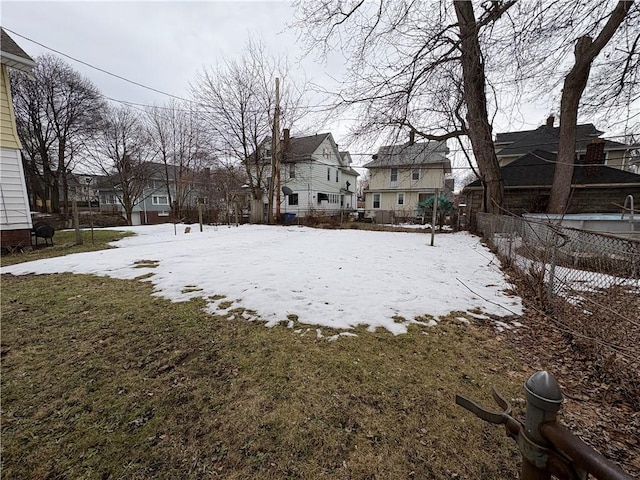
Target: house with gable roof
[404,175]
[595,187]
[317,175]
[15,215]
[512,145]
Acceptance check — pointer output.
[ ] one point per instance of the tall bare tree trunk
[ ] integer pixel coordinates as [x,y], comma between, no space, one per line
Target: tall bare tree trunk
[586,51]
[479,129]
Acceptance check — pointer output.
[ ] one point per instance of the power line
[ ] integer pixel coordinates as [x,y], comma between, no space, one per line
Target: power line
[208,108]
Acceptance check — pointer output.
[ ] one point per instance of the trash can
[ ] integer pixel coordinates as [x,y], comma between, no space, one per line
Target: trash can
[289,217]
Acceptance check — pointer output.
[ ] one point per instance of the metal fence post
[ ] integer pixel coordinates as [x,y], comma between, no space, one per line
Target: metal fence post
[543,402]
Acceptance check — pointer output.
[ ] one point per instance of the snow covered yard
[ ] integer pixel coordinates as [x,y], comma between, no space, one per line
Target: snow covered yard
[329,278]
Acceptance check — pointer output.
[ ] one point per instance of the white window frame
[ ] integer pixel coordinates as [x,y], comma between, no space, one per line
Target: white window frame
[391,175]
[292,170]
[328,174]
[373,201]
[415,174]
[400,198]
[155,200]
[291,198]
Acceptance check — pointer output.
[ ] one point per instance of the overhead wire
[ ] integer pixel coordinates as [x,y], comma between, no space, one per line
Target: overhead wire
[207,108]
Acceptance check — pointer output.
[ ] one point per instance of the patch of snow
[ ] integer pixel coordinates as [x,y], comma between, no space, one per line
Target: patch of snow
[463,320]
[328,278]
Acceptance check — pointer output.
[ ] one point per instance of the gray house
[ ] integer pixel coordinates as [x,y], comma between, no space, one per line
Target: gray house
[151,194]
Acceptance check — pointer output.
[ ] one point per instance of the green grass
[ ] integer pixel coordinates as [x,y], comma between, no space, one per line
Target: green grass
[102,380]
[65,244]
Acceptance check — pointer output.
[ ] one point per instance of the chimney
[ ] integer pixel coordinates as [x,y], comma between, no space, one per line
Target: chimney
[412,137]
[594,157]
[287,136]
[550,120]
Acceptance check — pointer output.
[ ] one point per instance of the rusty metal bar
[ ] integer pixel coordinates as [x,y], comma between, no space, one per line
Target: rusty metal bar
[581,454]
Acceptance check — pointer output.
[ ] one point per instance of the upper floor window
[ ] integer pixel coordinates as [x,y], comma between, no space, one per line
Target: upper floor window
[394,175]
[292,170]
[328,174]
[415,174]
[108,199]
[337,172]
[160,200]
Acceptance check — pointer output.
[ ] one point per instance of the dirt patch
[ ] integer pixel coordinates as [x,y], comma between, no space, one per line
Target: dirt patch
[597,407]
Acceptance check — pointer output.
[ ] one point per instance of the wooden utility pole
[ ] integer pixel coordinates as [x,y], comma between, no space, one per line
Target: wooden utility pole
[276,148]
[275,142]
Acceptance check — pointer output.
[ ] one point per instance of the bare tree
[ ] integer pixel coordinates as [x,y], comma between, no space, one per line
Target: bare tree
[412,68]
[176,134]
[56,109]
[603,38]
[238,99]
[444,71]
[121,151]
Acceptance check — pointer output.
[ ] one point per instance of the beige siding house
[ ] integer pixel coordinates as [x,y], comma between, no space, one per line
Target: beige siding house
[15,216]
[402,176]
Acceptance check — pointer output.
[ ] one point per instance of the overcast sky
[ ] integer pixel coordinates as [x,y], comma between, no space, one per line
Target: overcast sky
[165,44]
[161,44]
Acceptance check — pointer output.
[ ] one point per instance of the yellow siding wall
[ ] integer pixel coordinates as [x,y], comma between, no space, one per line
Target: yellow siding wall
[430,177]
[8,134]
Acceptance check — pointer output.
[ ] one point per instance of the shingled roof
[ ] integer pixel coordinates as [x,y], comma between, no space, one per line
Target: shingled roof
[536,169]
[301,148]
[546,138]
[12,55]
[410,155]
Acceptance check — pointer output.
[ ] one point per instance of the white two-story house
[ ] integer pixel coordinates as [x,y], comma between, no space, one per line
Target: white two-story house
[402,176]
[318,176]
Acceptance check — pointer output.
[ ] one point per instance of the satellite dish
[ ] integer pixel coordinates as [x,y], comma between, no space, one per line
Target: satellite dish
[286,190]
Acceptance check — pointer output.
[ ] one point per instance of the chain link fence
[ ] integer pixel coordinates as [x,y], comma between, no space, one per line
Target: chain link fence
[588,285]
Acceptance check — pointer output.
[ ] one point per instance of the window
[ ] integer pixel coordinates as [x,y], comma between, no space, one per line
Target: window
[160,200]
[292,171]
[422,197]
[163,214]
[323,197]
[394,175]
[337,172]
[400,198]
[415,174]
[109,199]
[376,200]
[293,199]
[328,174]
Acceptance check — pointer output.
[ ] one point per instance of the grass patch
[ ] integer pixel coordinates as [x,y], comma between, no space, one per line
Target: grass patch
[65,244]
[146,264]
[191,288]
[102,380]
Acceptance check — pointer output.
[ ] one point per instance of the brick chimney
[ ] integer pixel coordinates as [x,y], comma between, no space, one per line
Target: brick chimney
[550,120]
[412,137]
[286,140]
[594,157]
